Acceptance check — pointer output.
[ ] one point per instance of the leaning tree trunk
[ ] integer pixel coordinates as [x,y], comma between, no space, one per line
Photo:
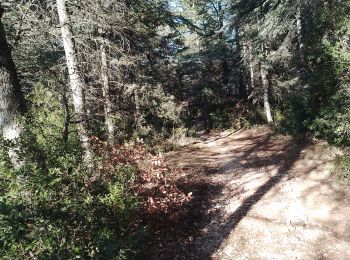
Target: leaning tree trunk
[11,97]
[108,105]
[265,84]
[75,81]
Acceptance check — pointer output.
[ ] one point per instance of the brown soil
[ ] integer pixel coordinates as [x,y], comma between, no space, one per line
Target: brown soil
[256,195]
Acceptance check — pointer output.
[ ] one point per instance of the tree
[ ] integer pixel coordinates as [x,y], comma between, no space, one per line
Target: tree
[76,83]
[265,84]
[108,105]
[11,97]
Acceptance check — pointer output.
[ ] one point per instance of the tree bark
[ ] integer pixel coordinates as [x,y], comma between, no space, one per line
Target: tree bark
[75,81]
[301,64]
[265,84]
[11,97]
[108,105]
[299,24]
[242,94]
[137,114]
[225,72]
[251,67]
[65,104]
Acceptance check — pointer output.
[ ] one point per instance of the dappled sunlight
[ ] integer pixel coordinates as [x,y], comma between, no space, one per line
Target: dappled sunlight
[174,129]
[276,194]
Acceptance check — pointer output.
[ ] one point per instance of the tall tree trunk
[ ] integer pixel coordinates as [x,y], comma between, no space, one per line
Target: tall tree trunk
[225,72]
[301,42]
[75,81]
[242,94]
[220,15]
[108,105]
[11,97]
[251,66]
[265,84]
[300,30]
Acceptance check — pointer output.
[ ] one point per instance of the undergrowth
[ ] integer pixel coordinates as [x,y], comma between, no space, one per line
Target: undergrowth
[342,168]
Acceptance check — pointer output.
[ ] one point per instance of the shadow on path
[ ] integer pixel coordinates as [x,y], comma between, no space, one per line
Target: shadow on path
[205,247]
[244,154]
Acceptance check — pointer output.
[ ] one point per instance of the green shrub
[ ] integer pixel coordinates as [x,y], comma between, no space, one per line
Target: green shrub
[52,207]
[333,122]
[237,117]
[342,169]
[62,213]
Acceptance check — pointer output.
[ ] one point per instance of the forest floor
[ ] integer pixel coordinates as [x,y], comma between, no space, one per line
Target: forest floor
[256,195]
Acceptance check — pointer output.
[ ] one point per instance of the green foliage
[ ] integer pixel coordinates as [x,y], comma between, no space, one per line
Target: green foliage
[331,79]
[52,207]
[168,72]
[342,168]
[43,141]
[290,116]
[61,213]
[333,122]
[312,94]
[236,118]
[157,112]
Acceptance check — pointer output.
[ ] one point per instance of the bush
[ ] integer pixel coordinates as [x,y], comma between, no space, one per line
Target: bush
[65,213]
[236,117]
[54,208]
[342,169]
[333,122]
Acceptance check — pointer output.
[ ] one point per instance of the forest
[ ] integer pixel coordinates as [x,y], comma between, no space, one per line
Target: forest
[131,128]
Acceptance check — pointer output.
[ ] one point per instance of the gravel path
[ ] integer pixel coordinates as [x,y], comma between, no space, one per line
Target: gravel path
[277,199]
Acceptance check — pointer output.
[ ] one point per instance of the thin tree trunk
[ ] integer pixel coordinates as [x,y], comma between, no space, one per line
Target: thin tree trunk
[108,105]
[299,24]
[225,72]
[11,97]
[242,94]
[265,84]
[224,63]
[75,81]
[301,43]
[251,67]
[137,114]
[66,116]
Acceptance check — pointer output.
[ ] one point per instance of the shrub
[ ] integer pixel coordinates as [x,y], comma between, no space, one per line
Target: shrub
[333,122]
[342,169]
[52,207]
[65,213]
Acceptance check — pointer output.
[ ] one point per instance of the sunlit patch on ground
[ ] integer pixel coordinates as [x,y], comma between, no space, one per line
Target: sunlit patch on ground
[271,198]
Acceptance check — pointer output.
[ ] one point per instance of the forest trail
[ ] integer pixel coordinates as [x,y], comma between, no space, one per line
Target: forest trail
[276,199]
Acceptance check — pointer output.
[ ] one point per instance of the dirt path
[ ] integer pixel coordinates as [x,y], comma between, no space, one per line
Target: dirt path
[268,197]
